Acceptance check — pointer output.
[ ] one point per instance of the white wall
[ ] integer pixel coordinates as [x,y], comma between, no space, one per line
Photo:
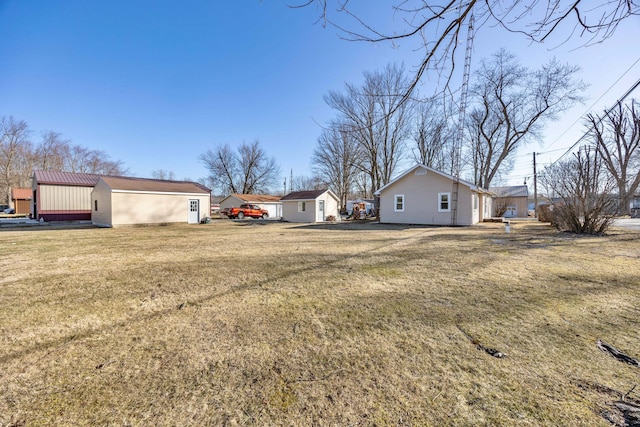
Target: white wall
[421,200]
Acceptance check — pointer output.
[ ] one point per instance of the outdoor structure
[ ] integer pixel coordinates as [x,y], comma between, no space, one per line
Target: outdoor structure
[365,206]
[270,203]
[62,196]
[127,201]
[310,206]
[634,206]
[21,200]
[510,202]
[423,195]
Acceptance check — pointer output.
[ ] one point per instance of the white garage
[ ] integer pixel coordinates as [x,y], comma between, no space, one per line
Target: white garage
[128,201]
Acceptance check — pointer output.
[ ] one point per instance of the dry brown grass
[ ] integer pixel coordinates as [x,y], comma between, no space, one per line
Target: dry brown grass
[280,324]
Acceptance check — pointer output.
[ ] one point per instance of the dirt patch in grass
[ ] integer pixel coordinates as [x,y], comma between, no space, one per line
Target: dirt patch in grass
[266,323]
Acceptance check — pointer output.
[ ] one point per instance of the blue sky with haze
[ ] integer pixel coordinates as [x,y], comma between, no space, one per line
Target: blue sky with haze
[156,83]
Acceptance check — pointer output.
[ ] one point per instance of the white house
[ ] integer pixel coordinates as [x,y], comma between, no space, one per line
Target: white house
[270,203]
[310,206]
[126,201]
[423,195]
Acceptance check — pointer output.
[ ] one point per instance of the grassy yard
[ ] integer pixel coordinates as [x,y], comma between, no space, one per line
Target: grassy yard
[240,323]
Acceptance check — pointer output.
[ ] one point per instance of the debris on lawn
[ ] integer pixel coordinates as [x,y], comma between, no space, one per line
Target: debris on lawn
[624,411]
[614,352]
[490,351]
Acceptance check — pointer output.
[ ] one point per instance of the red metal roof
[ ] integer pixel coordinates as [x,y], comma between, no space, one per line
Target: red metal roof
[66,178]
[21,194]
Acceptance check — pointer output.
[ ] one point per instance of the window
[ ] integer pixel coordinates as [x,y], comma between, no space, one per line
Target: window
[302,206]
[95,205]
[443,202]
[398,205]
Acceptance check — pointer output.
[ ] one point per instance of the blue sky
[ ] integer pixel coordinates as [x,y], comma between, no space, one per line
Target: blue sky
[156,83]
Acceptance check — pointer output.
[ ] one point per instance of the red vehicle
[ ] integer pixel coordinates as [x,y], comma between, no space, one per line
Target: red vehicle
[247,210]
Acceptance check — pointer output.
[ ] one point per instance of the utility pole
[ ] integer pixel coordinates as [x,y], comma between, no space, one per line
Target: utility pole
[535,188]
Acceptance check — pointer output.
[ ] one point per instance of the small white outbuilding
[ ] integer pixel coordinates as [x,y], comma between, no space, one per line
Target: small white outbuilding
[310,206]
[129,201]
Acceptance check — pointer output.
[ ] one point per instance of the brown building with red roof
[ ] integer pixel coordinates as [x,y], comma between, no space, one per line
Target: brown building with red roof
[21,200]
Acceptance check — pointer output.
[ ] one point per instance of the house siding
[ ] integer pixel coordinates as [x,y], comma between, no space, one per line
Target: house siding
[143,208]
[102,194]
[421,200]
[521,204]
[64,202]
[290,211]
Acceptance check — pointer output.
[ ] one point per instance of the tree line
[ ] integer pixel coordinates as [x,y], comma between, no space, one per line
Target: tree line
[20,155]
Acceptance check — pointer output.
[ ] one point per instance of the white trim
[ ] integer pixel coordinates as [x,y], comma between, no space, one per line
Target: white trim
[448,209]
[395,202]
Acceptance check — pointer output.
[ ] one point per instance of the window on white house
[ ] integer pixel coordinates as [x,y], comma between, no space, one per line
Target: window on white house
[444,202]
[398,204]
[302,206]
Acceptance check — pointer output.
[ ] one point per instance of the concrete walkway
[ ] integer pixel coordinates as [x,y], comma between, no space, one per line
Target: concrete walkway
[632,223]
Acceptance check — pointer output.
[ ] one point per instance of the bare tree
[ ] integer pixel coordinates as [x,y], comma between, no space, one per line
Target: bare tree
[163,174]
[616,135]
[85,160]
[15,153]
[501,205]
[375,117]
[436,28]
[307,183]
[247,171]
[432,136]
[585,190]
[335,158]
[52,151]
[511,103]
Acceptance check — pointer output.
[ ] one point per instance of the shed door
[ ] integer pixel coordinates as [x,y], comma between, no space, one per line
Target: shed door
[320,210]
[194,211]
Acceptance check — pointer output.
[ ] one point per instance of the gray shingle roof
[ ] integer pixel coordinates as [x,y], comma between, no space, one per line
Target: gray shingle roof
[510,191]
[303,195]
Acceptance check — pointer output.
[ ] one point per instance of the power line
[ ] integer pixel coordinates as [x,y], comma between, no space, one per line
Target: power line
[584,135]
[594,103]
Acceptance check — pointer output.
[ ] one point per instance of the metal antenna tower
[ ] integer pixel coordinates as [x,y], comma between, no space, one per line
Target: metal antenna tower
[457,148]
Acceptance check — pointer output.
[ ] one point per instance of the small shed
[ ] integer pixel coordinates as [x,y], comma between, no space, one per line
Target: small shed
[129,201]
[268,202]
[62,196]
[510,201]
[310,206]
[21,200]
[423,195]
